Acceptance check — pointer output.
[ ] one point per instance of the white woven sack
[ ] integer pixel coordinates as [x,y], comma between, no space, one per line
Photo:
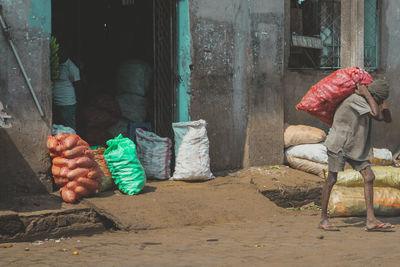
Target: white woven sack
[134,77]
[313,152]
[133,107]
[382,153]
[191,151]
[154,153]
[62,129]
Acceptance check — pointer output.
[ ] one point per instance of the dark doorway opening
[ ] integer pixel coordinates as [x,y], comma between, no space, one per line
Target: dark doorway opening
[117,43]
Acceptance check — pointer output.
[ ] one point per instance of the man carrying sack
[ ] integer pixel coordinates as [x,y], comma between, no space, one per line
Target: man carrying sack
[350,141]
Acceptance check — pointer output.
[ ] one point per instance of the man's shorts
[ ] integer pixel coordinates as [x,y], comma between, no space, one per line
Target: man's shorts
[336,162]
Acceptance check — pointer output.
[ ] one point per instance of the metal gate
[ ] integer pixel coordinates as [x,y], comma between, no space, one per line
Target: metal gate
[164,82]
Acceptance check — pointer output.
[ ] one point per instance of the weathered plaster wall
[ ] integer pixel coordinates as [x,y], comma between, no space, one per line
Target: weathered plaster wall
[387,135]
[24,161]
[297,83]
[237,56]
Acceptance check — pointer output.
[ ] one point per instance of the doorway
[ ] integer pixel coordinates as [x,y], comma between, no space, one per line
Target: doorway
[125,51]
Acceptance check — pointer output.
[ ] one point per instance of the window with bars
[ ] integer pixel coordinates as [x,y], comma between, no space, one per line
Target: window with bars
[315,34]
[371,34]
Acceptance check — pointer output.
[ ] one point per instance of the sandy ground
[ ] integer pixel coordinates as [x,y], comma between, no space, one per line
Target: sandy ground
[224,222]
[291,240]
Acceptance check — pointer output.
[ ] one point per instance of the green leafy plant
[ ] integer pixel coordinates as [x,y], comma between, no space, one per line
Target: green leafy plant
[54,60]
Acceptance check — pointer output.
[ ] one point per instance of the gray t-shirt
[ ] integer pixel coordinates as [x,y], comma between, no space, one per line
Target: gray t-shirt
[64,92]
[351,129]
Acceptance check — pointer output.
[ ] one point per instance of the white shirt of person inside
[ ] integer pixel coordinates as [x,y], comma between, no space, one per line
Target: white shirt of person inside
[64,92]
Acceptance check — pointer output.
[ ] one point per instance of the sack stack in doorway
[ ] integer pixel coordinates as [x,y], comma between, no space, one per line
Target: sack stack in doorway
[103,112]
[347,197]
[305,150]
[133,84]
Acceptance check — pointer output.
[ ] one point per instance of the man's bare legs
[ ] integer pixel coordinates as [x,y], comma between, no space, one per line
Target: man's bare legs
[326,193]
[369,178]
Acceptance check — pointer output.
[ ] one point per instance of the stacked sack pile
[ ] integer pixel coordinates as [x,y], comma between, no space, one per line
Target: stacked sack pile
[347,197]
[102,116]
[74,169]
[133,81]
[305,150]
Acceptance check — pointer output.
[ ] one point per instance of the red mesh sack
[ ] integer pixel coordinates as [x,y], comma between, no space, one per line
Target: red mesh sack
[74,169]
[323,98]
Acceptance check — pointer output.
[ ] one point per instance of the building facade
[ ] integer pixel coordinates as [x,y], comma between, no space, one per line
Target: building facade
[232,68]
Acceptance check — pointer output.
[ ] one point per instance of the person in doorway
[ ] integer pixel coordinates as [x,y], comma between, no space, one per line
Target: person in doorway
[64,96]
[350,141]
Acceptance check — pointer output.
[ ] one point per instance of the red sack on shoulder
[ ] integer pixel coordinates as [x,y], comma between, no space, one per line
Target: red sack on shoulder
[323,98]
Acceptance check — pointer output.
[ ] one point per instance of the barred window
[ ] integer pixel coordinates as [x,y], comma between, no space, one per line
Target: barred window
[315,34]
[371,34]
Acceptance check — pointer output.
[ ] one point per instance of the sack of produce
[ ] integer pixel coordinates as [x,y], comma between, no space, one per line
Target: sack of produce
[97,136]
[124,165]
[109,104]
[350,201]
[120,127]
[323,98]
[302,134]
[61,129]
[385,176]
[154,153]
[98,118]
[313,152]
[307,165]
[192,151]
[74,169]
[107,183]
[382,157]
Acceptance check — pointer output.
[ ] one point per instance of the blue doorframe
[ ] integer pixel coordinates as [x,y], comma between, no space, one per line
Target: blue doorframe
[184,60]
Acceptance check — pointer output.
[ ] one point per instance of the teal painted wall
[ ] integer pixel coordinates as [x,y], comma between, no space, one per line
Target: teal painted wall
[184,60]
[40,15]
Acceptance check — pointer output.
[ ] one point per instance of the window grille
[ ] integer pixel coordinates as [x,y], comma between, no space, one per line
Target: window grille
[371,26]
[312,20]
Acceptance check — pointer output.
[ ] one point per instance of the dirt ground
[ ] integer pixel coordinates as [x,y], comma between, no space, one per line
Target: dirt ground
[230,221]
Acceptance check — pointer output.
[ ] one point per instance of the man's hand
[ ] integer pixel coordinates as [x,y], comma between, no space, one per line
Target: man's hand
[387,116]
[376,112]
[362,90]
[384,106]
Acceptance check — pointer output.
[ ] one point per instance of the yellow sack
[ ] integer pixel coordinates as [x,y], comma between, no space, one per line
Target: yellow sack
[307,165]
[350,201]
[302,134]
[385,176]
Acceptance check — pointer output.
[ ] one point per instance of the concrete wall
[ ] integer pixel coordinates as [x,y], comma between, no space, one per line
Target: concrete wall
[237,59]
[387,135]
[297,83]
[24,160]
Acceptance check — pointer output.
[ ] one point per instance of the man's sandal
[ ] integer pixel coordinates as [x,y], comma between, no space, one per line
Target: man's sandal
[329,227]
[383,227]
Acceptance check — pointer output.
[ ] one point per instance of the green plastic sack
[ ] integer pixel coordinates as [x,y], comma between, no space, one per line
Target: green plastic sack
[385,176]
[124,165]
[350,201]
